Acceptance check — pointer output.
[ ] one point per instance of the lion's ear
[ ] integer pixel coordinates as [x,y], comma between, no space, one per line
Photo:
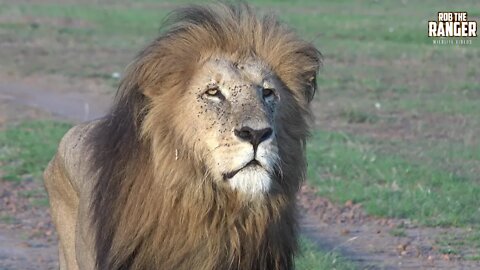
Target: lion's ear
[311,87]
[140,76]
[309,62]
[149,77]
[162,67]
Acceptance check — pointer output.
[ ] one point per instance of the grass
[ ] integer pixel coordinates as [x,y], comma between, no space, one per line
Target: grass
[312,259]
[7,219]
[398,232]
[40,202]
[391,31]
[346,168]
[465,244]
[26,148]
[356,116]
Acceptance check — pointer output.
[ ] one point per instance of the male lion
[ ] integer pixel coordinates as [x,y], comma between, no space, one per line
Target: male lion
[197,164]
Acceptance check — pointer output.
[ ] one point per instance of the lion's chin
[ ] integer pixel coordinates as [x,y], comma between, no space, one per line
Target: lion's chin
[251,180]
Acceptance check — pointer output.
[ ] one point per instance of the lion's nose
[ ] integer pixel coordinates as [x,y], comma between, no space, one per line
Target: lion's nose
[254,136]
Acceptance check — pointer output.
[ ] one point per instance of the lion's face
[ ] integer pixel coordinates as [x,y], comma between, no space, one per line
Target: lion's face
[230,109]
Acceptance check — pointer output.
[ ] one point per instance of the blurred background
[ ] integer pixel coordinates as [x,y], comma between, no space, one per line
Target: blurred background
[394,157]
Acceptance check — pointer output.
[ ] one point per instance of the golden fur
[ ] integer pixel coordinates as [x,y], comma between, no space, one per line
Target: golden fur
[148,209]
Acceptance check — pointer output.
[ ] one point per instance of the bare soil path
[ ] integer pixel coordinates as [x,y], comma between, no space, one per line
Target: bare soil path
[28,241]
[27,254]
[73,106]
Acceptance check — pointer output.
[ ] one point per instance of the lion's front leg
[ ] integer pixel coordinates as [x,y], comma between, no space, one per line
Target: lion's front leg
[64,208]
[85,235]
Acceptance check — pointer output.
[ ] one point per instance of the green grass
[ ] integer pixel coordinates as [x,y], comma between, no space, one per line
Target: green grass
[398,232]
[465,244]
[26,149]
[7,219]
[312,259]
[391,31]
[346,168]
[40,202]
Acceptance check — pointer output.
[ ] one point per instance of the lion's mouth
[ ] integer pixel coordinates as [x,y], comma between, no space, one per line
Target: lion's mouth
[252,163]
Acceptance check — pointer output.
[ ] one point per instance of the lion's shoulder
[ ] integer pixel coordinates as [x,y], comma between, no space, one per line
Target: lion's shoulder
[75,154]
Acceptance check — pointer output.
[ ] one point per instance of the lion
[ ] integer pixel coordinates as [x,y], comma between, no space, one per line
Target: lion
[197,164]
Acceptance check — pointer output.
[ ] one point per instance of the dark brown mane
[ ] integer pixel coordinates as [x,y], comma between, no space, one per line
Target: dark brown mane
[150,212]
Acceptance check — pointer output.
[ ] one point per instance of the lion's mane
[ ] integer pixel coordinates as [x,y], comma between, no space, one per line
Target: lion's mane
[152,211]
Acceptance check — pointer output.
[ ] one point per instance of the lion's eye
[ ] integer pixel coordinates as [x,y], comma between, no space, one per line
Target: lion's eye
[267,92]
[213,91]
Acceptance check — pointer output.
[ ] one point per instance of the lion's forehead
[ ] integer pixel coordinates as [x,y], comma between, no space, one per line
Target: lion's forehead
[235,74]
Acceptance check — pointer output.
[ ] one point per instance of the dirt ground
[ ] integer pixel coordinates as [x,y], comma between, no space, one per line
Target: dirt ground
[27,236]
